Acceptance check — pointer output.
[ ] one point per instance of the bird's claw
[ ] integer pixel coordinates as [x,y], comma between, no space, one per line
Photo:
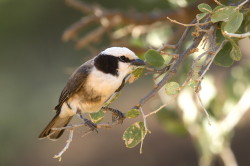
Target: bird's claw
[92,126]
[117,116]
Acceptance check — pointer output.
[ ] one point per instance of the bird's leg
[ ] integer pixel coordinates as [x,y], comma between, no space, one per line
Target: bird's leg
[116,114]
[87,122]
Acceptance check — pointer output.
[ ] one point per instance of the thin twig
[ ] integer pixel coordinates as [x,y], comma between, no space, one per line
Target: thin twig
[142,138]
[165,45]
[92,36]
[240,5]
[144,120]
[73,126]
[211,61]
[162,106]
[236,35]
[188,25]
[218,3]
[79,5]
[59,155]
[202,106]
[173,70]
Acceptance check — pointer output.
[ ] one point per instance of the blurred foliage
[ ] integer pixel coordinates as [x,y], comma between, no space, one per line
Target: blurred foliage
[171,121]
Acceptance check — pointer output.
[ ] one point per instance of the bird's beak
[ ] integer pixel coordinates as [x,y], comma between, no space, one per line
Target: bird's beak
[138,62]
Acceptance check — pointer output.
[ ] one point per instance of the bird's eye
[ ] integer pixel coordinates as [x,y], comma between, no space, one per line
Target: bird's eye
[124,59]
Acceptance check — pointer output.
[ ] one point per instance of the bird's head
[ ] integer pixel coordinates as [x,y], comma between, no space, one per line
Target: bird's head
[117,60]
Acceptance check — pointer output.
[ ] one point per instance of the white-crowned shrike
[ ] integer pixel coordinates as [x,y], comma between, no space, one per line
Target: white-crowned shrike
[91,85]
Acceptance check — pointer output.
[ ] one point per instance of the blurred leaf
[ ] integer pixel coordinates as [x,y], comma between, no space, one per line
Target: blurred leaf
[223,14]
[223,56]
[201,16]
[234,24]
[195,75]
[203,7]
[193,84]
[154,58]
[134,134]
[132,113]
[172,88]
[235,54]
[97,117]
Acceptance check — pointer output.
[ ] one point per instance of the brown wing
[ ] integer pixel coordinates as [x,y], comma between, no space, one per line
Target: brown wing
[75,82]
[121,86]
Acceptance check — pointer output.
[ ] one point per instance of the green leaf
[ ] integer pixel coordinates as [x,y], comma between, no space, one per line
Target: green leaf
[219,36]
[224,14]
[235,54]
[201,16]
[154,58]
[137,73]
[97,117]
[172,88]
[223,57]
[218,7]
[134,134]
[234,24]
[132,113]
[203,7]
[111,100]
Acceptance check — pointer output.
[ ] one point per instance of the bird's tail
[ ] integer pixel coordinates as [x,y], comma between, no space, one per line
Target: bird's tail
[56,122]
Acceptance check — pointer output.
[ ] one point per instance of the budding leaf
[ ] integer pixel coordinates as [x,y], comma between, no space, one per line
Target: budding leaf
[223,57]
[234,24]
[172,88]
[132,113]
[97,117]
[134,134]
[205,8]
[154,58]
[235,54]
[223,14]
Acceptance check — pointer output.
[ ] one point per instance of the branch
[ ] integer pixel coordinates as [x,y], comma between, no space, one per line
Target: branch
[240,5]
[217,2]
[202,106]
[237,112]
[96,14]
[144,120]
[188,25]
[236,35]
[59,155]
[173,70]
[71,128]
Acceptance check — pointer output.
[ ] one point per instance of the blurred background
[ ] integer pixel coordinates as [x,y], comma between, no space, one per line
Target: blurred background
[34,67]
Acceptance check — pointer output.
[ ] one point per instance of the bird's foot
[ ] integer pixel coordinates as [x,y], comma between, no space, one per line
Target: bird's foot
[116,114]
[92,126]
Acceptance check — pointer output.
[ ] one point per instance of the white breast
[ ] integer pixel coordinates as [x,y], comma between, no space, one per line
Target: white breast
[102,83]
[99,83]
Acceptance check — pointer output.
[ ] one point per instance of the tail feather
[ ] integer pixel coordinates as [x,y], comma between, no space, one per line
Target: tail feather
[56,122]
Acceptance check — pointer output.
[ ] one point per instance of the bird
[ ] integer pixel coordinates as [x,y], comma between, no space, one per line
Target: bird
[90,86]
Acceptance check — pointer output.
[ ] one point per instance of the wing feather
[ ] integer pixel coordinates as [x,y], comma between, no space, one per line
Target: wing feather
[75,82]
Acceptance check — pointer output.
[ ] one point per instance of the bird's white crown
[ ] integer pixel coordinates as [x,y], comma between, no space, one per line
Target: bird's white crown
[120,51]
